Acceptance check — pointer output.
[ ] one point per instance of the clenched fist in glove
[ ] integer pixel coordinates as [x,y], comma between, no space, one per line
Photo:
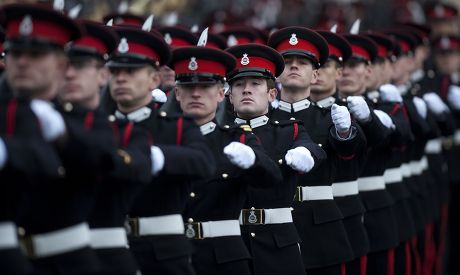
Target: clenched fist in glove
[359,108]
[420,105]
[51,122]
[341,119]
[240,154]
[435,103]
[454,97]
[159,96]
[390,93]
[300,159]
[158,159]
[385,119]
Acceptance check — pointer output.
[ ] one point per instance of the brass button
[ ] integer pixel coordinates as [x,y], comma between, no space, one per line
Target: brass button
[68,107]
[192,195]
[292,118]
[280,161]
[163,114]
[111,118]
[226,126]
[277,122]
[320,145]
[253,234]
[224,175]
[61,171]
[21,231]
[126,157]
[190,220]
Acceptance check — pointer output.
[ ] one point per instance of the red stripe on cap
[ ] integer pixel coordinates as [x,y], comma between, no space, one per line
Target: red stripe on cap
[143,50]
[179,42]
[382,51]
[40,29]
[91,42]
[334,51]
[302,45]
[203,66]
[257,62]
[212,45]
[405,47]
[360,52]
[447,13]
[243,40]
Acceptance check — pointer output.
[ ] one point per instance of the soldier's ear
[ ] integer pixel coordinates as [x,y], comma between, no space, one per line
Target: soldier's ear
[103,76]
[155,79]
[314,76]
[338,73]
[272,94]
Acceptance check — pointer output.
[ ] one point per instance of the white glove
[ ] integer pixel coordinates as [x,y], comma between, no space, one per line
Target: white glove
[300,159]
[359,108]
[390,93]
[453,96]
[420,105]
[159,96]
[51,122]
[341,118]
[385,119]
[240,154]
[158,159]
[435,103]
[3,154]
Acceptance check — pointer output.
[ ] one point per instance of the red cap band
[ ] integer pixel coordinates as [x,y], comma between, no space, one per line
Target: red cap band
[360,52]
[405,47]
[40,29]
[92,42]
[382,51]
[199,66]
[256,62]
[302,45]
[179,42]
[143,50]
[334,51]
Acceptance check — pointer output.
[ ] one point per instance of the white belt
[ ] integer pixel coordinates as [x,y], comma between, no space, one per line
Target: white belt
[312,193]
[213,229]
[405,170]
[8,235]
[61,241]
[347,188]
[434,146]
[393,175]
[158,225]
[371,183]
[416,167]
[457,137]
[424,163]
[108,237]
[271,216]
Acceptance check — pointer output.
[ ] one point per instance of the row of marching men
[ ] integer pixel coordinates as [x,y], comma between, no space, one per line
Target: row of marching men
[341,173]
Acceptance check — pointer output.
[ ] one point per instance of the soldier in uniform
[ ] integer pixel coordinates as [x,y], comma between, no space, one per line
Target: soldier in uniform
[379,217]
[266,220]
[345,188]
[128,163]
[215,203]
[179,154]
[317,216]
[442,19]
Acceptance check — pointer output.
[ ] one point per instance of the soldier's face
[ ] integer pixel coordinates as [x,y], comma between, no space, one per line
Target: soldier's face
[402,68]
[83,80]
[374,79]
[35,74]
[168,77]
[298,73]
[131,87]
[447,62]
[251,96]
[200,100]
[328,74]
[354,76]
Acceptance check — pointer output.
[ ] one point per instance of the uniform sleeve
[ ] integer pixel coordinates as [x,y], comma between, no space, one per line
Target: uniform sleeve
[347,148]
[192,159]
[402,133]
[376,133]
[303,140]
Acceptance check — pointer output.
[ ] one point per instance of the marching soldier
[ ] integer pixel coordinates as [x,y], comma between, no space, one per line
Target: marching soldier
[266,220]
[317,216]
[179,154]
[345,188]
[215,203]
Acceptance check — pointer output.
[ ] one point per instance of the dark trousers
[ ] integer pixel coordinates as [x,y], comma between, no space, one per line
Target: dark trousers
[339,269]
[380,263]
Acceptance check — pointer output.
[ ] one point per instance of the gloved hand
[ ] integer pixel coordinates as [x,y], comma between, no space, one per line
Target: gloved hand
[159,96]
[3,154]
[341,118]
[390,93]
[385,119]
[359,108]
[453,97]
[300,159]
[240,154]
[51,122]
[420,105]
[435,103]
[158,159]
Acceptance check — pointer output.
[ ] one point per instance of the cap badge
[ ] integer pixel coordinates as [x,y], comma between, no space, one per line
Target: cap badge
[193,65]
[293,40]
[445,42]
[439,11]
[168,38]
[26,26]
[245,59]
[123,47]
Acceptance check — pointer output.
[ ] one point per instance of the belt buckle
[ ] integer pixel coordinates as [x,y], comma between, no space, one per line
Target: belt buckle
[253,216]
[298,194]
[132,227]
[193,230]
